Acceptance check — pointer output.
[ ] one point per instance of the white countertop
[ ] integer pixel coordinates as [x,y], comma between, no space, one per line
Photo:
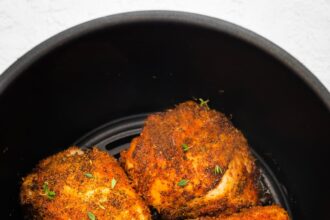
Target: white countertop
[301,27]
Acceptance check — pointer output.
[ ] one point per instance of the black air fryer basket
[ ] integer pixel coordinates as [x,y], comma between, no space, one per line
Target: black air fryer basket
[95,83]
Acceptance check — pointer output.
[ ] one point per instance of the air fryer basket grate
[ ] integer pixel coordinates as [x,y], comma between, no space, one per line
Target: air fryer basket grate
[116,136]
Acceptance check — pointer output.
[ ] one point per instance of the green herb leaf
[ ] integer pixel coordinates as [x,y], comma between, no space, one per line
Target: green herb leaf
[203,102]
[91,216]
[50,194]
[101,206]
[113,183]
[45,186]
[88,175]
[218,169]
[183,182]
[185,147]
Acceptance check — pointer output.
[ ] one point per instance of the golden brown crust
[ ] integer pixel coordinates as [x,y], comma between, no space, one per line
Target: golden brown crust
[76,194]
[273,212]
[156,163]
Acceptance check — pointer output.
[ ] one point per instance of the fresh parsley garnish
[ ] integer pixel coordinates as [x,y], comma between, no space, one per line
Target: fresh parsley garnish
[203,102]
[185,147]
[113,183]
[50,194]
[91,216]
[88,175]
[218,169]
[183,182]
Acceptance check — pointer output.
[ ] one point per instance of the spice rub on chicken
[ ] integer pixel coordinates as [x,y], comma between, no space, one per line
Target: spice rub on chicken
[81,184]
[272,212]
[191,161]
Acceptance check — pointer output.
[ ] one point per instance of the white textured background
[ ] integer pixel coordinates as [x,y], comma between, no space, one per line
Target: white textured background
[301,27]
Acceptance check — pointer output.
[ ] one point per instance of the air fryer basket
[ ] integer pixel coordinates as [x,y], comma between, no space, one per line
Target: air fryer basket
[100,72]
[116,136]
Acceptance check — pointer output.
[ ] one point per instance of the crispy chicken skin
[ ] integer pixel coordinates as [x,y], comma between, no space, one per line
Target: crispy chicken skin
[272,212]
[191,161]
[77,184]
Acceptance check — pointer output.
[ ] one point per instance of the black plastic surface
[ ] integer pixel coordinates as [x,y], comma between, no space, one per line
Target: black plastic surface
[115,67]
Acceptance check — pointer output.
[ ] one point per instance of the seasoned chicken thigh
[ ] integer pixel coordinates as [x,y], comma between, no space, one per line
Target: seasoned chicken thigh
[191,161]
[77,184]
